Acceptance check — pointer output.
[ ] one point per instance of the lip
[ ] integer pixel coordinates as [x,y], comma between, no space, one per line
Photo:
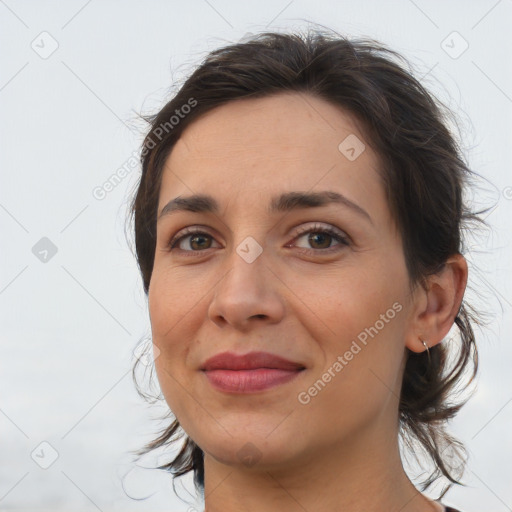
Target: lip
[251,372]
[249,361]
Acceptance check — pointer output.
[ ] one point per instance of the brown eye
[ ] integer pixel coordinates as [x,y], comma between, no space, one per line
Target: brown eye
[198,241]
[321,238]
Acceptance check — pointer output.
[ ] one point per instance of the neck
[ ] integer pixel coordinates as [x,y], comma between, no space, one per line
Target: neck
[357,476]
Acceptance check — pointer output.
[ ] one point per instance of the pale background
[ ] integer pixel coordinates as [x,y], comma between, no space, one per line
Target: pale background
[69,324]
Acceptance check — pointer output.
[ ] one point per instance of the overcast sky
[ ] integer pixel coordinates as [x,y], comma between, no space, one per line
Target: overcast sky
[73,76]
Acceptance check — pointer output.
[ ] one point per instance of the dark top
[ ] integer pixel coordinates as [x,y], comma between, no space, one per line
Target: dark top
[450,509]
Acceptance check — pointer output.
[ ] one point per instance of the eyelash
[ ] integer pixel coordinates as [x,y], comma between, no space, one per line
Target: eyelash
[339,237]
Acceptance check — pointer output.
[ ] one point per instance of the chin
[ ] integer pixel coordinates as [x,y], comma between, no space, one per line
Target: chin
[251,448]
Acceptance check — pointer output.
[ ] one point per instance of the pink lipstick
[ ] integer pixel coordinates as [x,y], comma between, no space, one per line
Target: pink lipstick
[248,373]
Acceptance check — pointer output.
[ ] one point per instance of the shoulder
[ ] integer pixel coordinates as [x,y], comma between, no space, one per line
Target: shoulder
[450,509]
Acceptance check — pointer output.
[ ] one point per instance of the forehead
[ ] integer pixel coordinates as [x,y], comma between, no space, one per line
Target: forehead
[284,142]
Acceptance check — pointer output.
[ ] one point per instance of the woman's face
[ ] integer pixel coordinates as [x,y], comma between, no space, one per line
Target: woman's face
[262,279]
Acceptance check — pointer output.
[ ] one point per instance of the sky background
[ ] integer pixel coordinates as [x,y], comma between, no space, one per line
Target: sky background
[73,77]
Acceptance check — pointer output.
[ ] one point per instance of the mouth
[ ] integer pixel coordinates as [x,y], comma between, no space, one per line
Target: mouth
[249,381]
[249,373]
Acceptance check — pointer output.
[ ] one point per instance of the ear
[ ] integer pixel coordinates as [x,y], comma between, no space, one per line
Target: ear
[437,304]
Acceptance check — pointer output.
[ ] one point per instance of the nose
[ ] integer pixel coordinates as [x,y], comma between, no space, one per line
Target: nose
[249,292]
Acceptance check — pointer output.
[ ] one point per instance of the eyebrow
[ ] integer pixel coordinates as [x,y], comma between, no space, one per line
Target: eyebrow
[285,202]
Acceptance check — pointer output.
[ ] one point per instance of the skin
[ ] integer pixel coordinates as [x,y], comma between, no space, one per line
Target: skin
[340,450]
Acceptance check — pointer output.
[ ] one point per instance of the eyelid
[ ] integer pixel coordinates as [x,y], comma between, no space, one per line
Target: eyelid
[187,231]
[322,227]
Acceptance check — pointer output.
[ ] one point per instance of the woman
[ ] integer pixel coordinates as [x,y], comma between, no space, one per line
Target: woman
[298,229]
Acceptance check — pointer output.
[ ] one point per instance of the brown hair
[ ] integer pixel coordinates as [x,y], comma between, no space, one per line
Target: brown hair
[423,171]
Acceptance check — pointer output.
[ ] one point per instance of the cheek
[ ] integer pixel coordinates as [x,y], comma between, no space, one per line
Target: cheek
[360,372]
[359,315]
[173,300]
[347,302]
[171,312]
